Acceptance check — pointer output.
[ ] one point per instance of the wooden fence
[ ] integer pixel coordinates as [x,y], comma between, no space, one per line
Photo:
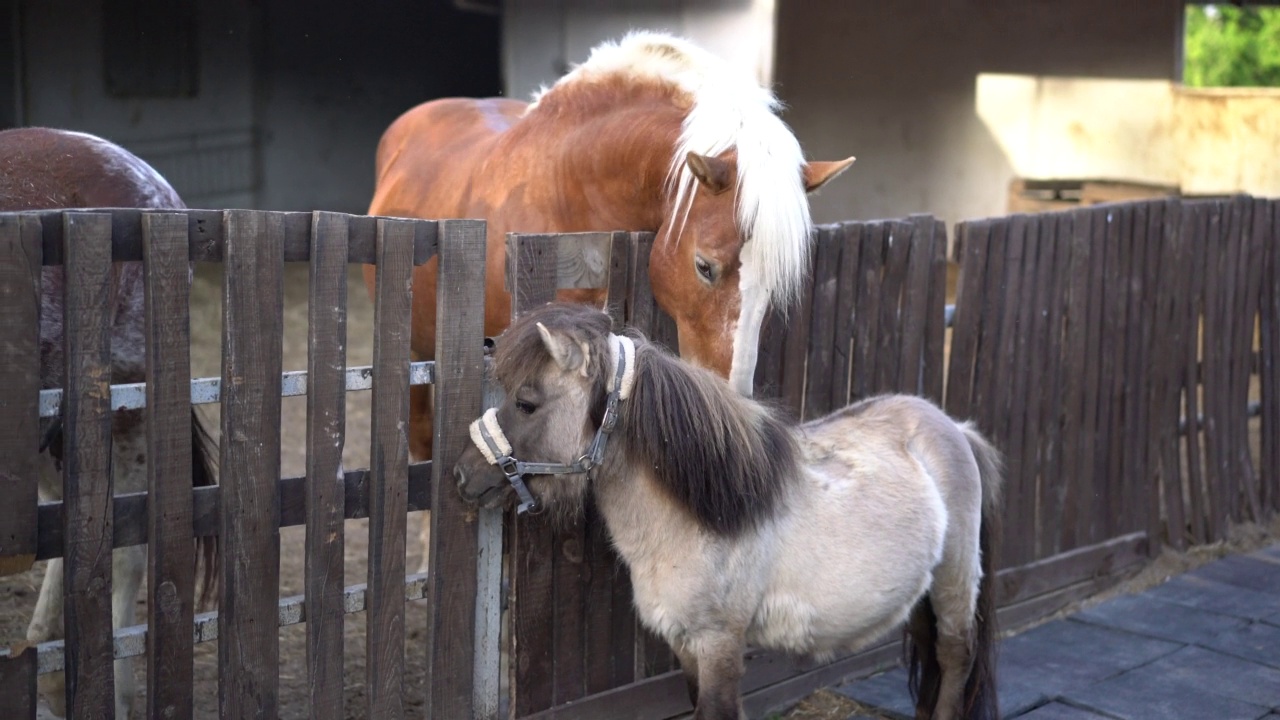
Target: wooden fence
[252,502]
[1112,352]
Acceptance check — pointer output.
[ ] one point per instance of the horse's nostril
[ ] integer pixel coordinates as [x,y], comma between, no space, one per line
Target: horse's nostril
[459,475]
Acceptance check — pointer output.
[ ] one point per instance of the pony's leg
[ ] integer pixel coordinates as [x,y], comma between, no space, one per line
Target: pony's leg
[421,439]
[689,666]
[954,595]
[718,659]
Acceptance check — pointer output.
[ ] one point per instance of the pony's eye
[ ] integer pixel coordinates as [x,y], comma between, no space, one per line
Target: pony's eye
[704,269]
[526,407]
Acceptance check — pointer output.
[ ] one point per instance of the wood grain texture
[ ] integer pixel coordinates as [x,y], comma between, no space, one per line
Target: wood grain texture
[170,554]
[252,327]
[207,233]
[843,353]
[388,469]
[20,263]
[450,637]
[18,684]
[867,312]
[86,476]
[533,544]
[972,240]
[1269,362]
[326,434]
[888,348]
[826,269]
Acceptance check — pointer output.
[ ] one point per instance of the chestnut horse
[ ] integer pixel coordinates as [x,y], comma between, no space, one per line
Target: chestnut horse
[651,133]
[47,169]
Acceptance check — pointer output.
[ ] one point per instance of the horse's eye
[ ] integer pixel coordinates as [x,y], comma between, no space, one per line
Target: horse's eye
[526,407]
[705,269]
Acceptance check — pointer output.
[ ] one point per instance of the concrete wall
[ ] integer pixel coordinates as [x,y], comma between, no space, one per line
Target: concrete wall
[544,38]
[202,144]
[896,85]
[292,99]
[1202,141]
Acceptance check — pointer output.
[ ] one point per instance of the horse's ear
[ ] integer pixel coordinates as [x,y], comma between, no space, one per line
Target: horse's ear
[568,353]
[819,173]
[716,175]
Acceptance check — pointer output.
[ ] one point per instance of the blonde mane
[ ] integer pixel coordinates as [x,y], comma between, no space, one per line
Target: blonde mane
[728,110]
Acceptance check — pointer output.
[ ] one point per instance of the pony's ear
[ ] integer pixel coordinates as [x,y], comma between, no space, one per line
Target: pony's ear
[714,174]
[819,173]
[569,354]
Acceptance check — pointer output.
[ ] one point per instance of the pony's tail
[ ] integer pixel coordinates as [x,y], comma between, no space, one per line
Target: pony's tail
[204,473]
[979,701]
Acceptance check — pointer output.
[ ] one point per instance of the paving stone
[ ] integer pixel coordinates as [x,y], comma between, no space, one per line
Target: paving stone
[1109,649]
[1144,694]
[1149,616]
[1059,711]
[1259,642]
[1245,572]
[886,692]
[1212,672]
[1214,596]
[1272,619]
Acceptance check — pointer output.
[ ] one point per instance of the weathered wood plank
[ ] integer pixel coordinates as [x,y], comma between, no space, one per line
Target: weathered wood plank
[1072,486]
[207,232]
[252,326]
[794,353]
[867,311]
[916,306]
[1269,363]
[934,364]
[1256,231]
[1052,484]
[18,684]
[533,544]
[86,477]
[850,238]
[972,243]
[326,435]
[1193,230]
[1036,386]
[388,468]
[20,253]
[889,333]
[1169,282]
[170,557]
[459,391]
[822,321]
[1003,408]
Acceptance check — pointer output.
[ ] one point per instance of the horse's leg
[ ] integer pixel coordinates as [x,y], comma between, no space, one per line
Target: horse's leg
[46,621]
[421,438]
[689,666]
[128,564]
[718,659]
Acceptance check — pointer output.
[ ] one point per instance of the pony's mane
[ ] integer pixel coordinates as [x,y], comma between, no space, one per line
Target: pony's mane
[723,457]
[729,110]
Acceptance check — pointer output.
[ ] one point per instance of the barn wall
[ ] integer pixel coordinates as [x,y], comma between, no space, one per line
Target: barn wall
[203,144]
[544,38]
[895,84]
[334,80]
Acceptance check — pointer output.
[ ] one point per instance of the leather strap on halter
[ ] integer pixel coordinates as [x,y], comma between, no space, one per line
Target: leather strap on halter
[493,444]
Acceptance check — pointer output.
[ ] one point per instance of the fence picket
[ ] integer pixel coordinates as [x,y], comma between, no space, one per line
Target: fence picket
[450,640]
[18,684]
[826,266]
[171,560]
[1269,361]
[252,325]
[86,469]
[20,269]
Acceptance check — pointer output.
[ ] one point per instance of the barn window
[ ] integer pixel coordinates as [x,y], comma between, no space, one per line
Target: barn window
[150,48]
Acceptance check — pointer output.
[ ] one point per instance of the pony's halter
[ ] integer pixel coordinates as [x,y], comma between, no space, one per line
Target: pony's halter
[492,443]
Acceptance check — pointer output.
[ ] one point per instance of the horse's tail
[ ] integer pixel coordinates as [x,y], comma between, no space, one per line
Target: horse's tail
[979,701]
[204,473]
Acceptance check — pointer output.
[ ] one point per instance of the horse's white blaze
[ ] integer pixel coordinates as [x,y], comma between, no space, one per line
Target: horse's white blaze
[746,331]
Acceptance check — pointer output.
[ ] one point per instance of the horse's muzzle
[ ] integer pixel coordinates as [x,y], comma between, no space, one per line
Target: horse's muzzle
[473,490]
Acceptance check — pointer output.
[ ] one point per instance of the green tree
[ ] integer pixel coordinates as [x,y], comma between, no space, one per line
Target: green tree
[1230,46]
